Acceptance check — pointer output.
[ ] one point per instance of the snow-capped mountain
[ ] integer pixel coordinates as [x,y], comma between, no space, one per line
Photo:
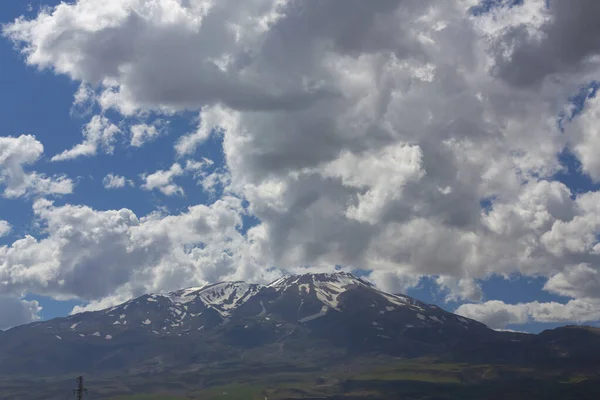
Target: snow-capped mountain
[301,299]
[339,308]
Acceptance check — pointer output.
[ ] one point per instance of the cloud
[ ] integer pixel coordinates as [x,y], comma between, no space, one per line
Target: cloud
[393,281]
[212,180]
[143,133]
[84,101]
[5,228]
[16,153]
[89,254]
[576,281]
[211,117]
[198,167]
[584,136]
[163,180]
[111,181]
[497,314]
[72,39]
[400,115]
[217,180]
[460,289]
[102,304]
[14,312]
[99,133]
[381,135]
[554,40]
[382,176]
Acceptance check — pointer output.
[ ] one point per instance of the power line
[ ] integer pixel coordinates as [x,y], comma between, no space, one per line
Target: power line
[80,389]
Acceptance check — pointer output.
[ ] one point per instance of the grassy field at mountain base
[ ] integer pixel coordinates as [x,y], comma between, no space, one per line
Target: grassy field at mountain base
[405,379]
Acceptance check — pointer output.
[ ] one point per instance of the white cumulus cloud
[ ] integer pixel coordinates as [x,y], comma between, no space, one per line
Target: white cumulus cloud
[143,133]
[99,133]
[163,180]
[5,228]
[112,181]
[90,254]
[460,289]
[16,154]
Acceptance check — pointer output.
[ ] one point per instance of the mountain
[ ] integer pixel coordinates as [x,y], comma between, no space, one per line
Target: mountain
[297,323]
[347,311]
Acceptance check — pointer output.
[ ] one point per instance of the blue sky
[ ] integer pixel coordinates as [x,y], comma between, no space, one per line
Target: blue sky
[308,197]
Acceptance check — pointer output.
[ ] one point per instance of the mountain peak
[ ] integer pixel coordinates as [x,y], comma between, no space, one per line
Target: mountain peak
[337,278]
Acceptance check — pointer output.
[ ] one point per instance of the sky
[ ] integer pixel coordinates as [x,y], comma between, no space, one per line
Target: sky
[446,150]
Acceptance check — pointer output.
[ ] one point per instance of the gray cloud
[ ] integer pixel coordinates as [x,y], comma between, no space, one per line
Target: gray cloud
[577,281]
[14,312]
[567,42]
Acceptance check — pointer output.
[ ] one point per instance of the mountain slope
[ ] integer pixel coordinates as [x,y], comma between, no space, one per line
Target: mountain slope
[297,321]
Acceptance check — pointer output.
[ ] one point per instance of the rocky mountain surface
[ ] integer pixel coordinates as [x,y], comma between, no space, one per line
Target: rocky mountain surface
[295,323]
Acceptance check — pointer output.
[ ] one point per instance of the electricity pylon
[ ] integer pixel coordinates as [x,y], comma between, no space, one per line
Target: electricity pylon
[80,389]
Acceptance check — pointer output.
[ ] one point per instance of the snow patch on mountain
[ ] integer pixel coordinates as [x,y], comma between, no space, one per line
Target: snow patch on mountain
[226,296]
[263,311]
[327,287]
[223,297]
[320,314]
